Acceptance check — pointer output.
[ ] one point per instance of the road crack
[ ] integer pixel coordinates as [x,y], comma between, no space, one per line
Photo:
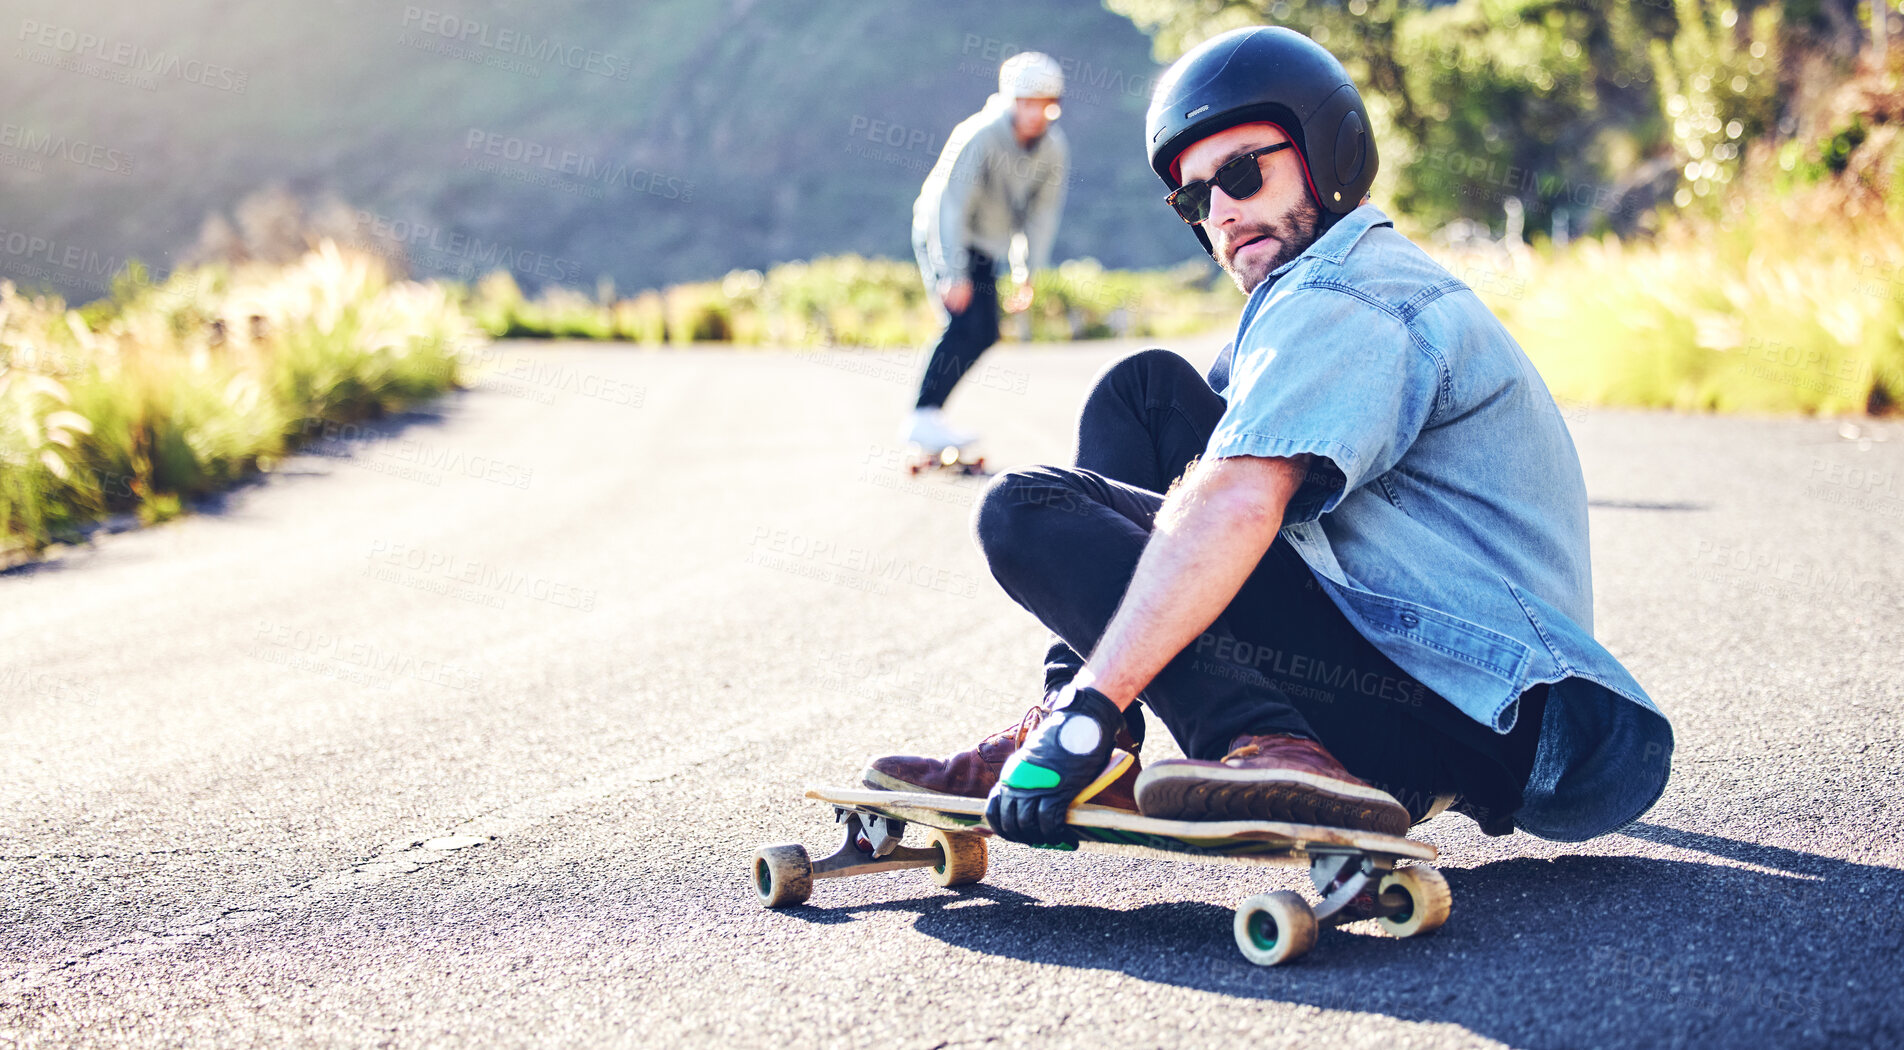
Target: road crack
[131,854]
[408,856]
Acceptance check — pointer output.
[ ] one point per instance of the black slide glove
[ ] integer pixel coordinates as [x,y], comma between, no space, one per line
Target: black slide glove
[1059,759]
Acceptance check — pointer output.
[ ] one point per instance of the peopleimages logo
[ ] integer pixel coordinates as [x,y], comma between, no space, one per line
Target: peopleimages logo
[82,262]
[1482,170]
[59,147]
[1083,81]
[134,58]
[27,256]
[383,235]
[471,33]
[588,170]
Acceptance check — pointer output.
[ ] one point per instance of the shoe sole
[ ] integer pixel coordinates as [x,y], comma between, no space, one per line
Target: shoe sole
[878,781]
[1226,793]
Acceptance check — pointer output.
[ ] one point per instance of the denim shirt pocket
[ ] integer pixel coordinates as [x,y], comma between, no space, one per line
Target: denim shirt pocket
[1449,635]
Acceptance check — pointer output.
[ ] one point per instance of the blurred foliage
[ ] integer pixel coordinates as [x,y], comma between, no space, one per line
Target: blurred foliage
[850,301]
[1786,309]
[1714,92]
[164,391]
[1590,109]
[1783,293]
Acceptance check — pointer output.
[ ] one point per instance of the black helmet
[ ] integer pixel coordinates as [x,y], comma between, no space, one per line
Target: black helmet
[1272,74]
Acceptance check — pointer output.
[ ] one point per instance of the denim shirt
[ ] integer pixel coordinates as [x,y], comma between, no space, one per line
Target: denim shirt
[1444,512]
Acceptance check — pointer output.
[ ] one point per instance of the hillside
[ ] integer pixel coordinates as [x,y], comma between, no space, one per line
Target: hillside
[649,142]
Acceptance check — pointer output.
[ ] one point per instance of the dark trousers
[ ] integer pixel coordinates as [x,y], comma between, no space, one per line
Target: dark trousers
[1064,543]
[967,334]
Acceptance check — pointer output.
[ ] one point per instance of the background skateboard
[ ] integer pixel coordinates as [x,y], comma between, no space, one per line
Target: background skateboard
[951,459]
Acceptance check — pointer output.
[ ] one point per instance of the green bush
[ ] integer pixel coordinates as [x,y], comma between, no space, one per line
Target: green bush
[852,301]
[163,392]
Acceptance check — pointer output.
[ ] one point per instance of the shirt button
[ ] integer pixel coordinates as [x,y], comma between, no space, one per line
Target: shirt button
[1410,620]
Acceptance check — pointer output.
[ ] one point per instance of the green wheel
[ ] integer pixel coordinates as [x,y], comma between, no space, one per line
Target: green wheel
[783,875]
[1273,928]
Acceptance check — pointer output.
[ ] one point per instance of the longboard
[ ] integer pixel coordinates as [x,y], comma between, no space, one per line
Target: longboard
[1356,872]
[1262,842]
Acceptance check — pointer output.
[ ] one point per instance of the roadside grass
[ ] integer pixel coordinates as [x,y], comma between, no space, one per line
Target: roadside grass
[849,301]
[167,391]
[1780,309]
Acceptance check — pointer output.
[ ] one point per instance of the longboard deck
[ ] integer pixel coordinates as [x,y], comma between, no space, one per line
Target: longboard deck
[1117,830]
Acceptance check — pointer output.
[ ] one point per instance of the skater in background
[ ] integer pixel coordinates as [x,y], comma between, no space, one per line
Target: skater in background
[1001,176]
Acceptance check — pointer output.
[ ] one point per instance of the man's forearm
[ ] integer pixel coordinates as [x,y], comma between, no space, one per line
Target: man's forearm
[1210,535]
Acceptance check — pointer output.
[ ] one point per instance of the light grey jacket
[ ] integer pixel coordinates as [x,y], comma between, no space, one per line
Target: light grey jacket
[984,189]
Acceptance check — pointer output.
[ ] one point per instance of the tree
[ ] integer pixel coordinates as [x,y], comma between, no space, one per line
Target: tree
[1585,111]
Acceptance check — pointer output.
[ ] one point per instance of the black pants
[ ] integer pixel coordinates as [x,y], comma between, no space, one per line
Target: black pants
[967,334]
[1281,658]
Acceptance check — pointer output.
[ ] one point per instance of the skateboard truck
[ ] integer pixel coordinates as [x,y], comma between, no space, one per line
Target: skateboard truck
[872,844]
[870,832]
[1341,878]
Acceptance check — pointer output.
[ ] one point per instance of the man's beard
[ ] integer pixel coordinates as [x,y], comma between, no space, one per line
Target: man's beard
[1294,234]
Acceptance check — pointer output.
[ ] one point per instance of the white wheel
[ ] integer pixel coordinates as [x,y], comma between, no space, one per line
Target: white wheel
[783,875]
[1274,928]
[962,858]
[1428,901]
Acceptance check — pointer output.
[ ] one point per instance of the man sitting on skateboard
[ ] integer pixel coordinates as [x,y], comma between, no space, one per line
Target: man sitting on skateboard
[1366,595]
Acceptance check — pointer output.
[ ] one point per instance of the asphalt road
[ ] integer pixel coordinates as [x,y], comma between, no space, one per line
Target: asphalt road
[461,732]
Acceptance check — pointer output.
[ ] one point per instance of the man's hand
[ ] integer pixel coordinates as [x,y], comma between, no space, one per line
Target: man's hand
[1059,759]
[1020,300]
[956,293]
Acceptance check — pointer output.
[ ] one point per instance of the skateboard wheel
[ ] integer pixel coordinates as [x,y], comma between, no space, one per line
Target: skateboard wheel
[1429,900]
[962,858]
[783,875]
[1273,928]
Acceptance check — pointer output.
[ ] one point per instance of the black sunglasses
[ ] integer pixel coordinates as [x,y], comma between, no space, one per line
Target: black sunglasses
[1240,178]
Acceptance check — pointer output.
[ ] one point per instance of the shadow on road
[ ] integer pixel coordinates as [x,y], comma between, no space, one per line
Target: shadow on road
[1578,951]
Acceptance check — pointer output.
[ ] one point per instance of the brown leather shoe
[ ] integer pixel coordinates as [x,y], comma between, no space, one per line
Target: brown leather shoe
[972,773]
[1282,778]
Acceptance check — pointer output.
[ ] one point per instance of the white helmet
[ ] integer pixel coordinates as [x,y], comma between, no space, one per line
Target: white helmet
[1030,74]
